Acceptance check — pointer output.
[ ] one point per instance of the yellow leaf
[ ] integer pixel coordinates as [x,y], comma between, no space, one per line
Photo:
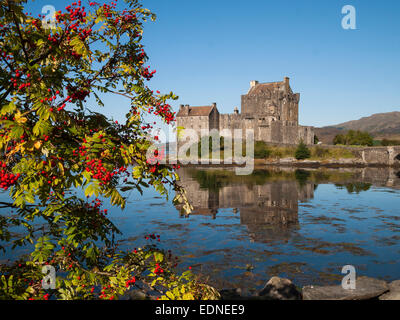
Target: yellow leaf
[20,119]
[188,296]
[61,167]
[105,153]
[38,144]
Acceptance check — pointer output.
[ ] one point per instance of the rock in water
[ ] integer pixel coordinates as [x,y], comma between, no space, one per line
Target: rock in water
[135,295]
[390,296]
[394,285]
[394,293]
[231,294]
[280,289]
[366,288]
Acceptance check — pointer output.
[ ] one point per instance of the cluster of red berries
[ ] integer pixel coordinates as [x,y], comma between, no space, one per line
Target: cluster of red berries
[95,207]
[76,13]
[152,237]
[35,22]
[72,20]
[7,179]
[77,94]
[130,282]
[81,151]
[99,172]
[139,56]
[158,270]
[154,168]
[85,33]
[61,107]
[147,126]
[128,17]
[107,9]
[51,99]
[17,81]
[53,38]
[165,111]
[103,294]
[153,162]
[147,74]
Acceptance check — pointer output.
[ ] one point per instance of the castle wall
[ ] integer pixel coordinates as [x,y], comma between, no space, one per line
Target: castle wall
[230,121]
[306,133]
[267,130]
[195,122]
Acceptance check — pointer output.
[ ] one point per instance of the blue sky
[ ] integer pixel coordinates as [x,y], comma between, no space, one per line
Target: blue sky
[208,51]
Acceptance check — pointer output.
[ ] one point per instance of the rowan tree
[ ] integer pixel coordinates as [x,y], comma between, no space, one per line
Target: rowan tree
[52,144]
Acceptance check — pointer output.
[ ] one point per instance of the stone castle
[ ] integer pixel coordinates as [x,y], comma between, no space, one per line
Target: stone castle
[270,109]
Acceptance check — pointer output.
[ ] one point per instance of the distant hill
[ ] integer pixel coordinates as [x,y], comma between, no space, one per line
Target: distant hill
[379,125]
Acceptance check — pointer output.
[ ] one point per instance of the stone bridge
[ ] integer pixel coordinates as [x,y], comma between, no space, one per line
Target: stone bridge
[389,156]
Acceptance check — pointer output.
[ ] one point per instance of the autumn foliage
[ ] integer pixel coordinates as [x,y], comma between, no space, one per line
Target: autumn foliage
[53,142]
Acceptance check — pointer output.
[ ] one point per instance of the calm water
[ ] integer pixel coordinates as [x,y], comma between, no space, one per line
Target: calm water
[304,225]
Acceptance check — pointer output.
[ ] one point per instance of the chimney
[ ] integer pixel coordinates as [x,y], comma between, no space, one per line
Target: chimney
[253,83]
[181,106]
[186,109]
[214,104]
[286,81]
[236,110]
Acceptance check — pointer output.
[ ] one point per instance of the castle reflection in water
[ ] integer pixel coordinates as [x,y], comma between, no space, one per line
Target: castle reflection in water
[269,209]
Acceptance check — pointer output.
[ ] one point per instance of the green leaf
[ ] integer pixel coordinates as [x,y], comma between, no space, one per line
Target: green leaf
[89,190]
[8,108]
[158,256]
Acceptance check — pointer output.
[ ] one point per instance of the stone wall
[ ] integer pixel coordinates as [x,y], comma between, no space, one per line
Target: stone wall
[195,122]
[279,132]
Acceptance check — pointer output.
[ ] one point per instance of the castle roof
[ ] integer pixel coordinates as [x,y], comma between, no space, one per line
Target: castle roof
[262,87]
[195,111]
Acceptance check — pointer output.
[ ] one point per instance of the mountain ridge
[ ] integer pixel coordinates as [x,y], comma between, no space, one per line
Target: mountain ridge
[385,125]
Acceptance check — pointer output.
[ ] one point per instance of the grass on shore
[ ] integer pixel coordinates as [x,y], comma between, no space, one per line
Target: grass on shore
[262,150]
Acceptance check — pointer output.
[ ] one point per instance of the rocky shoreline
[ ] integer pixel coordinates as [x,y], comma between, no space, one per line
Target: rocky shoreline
[283,289]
